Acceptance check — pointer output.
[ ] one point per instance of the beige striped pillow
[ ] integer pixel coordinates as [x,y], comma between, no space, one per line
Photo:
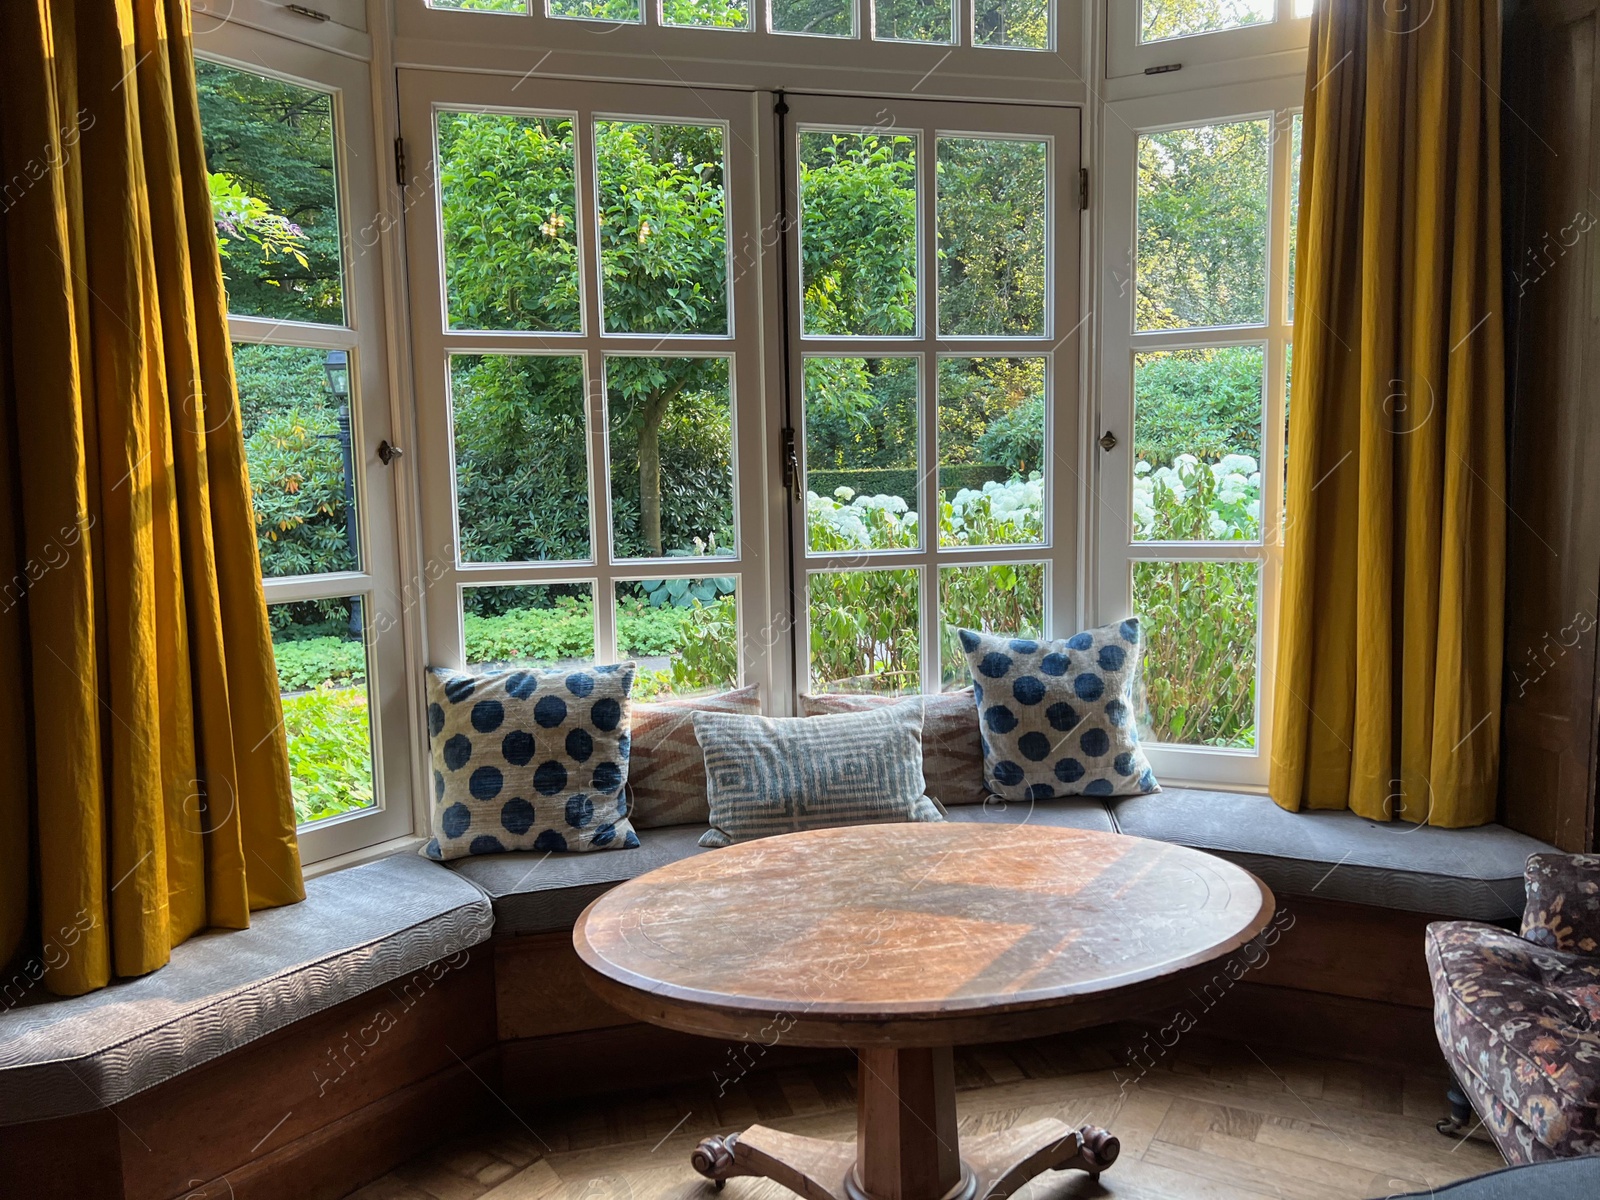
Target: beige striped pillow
[952,748]
[666,770]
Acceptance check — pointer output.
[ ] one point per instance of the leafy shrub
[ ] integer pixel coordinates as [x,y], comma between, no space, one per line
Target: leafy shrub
[330,751]
[318,662]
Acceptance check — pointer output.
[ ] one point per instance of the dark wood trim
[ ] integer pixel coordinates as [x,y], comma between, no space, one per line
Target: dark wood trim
[1352,950]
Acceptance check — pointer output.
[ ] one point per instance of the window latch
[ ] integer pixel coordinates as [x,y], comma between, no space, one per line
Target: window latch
[387,453]
[1108,441]
[791,462]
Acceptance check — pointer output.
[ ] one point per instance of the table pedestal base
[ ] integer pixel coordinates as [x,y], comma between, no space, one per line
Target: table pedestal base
[907,1146]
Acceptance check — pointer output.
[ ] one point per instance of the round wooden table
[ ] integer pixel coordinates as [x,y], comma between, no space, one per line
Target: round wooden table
[901,942]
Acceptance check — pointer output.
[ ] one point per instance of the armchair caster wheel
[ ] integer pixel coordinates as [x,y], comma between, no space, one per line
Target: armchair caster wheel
[1460,1121]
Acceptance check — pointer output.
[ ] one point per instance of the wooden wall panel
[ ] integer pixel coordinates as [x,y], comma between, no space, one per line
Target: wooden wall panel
[1351,950]
[539,989]
[1552,285]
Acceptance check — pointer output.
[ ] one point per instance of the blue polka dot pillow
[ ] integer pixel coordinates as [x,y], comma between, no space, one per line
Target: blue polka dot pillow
[1057,717]
[529,760]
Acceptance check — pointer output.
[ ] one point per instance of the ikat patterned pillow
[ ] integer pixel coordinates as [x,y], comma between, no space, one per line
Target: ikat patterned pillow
[1057,717]
[529,760]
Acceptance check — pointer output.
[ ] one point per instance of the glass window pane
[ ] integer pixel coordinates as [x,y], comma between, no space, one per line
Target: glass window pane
[1160,19]
[993,205]
[820,18]
[294,405]
[274,194]
[858,233]
[1003,598]
[671,450]
[864,631]
[1015,24]
[912,20]
[497,6]
[712,14]
[322,675]
[683,633]
[1302,8]
[510,234]
[1295,129]
[861,454]
[533,625]
[521,457]
[1200,651]
[991,451]
[1202,240]
[663,230]
[1197,444]
[628,12]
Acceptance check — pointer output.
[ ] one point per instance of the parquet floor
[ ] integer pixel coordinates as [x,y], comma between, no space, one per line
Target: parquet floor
[1208,1121]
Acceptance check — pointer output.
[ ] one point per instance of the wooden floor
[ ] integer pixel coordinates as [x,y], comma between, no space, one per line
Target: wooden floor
[1210,1119]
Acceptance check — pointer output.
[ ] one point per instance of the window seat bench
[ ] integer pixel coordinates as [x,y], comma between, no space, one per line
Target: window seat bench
[334,1038]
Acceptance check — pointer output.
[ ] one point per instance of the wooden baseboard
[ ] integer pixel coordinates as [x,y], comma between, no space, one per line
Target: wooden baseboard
[1352,950]
[635,1057]
[1340,1027]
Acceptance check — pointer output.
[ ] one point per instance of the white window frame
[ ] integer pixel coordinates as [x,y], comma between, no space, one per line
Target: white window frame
[1119,342]
[1126,55]
[423,94]
[392,678]
[1059,549]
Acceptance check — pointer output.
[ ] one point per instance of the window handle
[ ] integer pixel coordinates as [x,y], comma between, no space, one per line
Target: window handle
[1108,441]
[387,453]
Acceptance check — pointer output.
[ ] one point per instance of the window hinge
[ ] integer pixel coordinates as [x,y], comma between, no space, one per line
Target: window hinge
[1083,188]
[400,161]
[791,462]
[302,11]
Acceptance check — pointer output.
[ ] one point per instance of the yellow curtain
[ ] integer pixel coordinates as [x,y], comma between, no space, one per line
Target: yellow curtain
[1389,656]
[144,783]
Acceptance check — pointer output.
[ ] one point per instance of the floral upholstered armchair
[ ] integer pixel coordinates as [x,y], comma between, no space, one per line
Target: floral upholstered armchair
[1518,1016]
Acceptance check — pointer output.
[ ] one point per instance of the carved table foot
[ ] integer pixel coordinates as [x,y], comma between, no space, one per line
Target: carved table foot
[995,1165]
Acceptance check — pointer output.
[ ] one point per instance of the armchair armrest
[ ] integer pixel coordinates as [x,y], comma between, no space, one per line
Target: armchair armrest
[1563,910]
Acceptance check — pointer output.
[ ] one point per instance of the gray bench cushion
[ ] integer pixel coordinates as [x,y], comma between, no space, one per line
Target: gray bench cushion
[542,893]
[356,929]
[1471,874]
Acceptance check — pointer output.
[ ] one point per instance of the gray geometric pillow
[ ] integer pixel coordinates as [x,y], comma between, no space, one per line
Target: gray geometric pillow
[772,775]
[1057,717]
[529,760]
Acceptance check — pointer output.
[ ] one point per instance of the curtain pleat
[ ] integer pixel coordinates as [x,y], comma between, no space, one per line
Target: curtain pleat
[1389,659]
[137,656]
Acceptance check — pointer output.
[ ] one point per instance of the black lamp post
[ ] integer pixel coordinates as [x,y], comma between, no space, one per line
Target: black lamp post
[337,368]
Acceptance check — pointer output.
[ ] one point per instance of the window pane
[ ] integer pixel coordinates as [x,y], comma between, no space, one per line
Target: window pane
[1302,8]
[861,454]
[991,451]
[510,237]
[1197,444]
[322,675]
[537,625]
[1295,128]
[864,631]
[625,11]
[499,6]
[822,18]
[683,633]
[663,231]
[297,446]
[1180,18]
[858,233]
[716,14]
[912,20]
[1018,24]
[521,457]
[993,206]
[671,456]
[274,194]
[1003,598]
[1202,240]
[1200,651]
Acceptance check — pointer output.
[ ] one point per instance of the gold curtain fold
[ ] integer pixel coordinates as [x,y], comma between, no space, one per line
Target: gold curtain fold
[1389,655]
[144,781]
